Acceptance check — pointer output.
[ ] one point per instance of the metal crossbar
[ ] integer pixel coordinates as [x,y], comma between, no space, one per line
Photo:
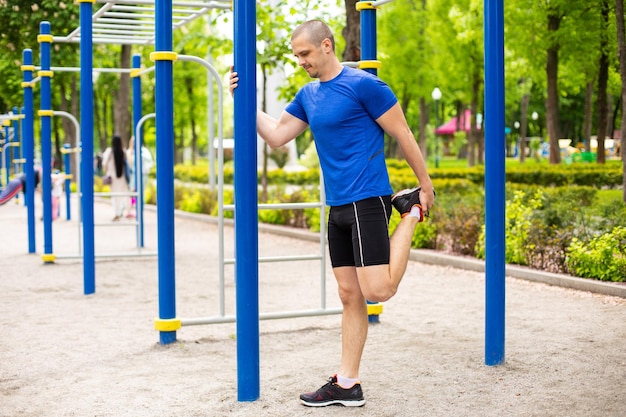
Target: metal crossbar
[132,22]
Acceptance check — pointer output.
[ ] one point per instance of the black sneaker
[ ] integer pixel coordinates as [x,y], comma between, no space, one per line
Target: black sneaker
[404,201]
[332,393]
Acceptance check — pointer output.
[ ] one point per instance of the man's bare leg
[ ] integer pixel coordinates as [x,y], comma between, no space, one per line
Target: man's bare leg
[380,282]
[354,324]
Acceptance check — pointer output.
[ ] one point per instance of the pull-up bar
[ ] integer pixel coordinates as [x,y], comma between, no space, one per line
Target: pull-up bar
[133,22]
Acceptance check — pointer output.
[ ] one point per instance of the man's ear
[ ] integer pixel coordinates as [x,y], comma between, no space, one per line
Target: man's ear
[327,45]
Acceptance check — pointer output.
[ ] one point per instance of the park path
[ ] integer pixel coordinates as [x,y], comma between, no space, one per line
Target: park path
[67,354]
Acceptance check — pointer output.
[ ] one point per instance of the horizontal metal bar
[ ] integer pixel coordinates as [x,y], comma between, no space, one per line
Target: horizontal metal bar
[111,255]
[121,31]
[280,206]
[174,3]
[128,8]
[104,20]
[231,261]
[263,316]
[108,41]
[115,194]
[129,16]
[116,224]
[136,28]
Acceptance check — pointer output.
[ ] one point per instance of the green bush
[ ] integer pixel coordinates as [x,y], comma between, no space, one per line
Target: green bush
[425,236]
[608,210]
[200,200]
[272,216]
[547,209]
[517,226]
[594,175]
[603,257]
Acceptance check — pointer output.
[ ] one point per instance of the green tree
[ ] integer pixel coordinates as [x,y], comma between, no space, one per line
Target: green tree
[619,18]
[404,50]
[20,21]
[456,34]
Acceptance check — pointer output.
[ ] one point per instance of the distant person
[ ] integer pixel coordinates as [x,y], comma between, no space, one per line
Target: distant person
[147,162]
[57,179]
[97,164]
[115,166]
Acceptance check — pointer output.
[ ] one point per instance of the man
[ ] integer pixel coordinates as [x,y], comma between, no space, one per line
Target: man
[348,111]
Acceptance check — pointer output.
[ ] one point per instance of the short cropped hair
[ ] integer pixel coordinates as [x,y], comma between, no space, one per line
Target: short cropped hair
[315,31]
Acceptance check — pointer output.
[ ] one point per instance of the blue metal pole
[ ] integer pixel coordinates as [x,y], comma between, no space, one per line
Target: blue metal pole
[246,203]
[16,138]
[368,58]
[29,145]
[68,172]
[494,183]
[368,35]
[86,144]
[45,39]
[164,57]
[137,113]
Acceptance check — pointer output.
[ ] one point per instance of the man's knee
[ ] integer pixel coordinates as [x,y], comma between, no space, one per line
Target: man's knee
[380,294]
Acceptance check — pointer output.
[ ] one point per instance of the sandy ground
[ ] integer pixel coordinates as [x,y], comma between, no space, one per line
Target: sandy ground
[67,354]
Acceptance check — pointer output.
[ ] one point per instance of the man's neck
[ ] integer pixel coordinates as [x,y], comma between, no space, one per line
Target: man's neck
[333,71]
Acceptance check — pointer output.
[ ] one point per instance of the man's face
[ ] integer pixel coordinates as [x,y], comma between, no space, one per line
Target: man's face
[310,57]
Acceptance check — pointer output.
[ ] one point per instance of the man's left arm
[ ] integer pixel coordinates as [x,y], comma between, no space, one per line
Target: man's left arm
[395,124]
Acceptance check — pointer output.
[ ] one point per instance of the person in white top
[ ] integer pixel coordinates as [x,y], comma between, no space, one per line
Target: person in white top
[115,166]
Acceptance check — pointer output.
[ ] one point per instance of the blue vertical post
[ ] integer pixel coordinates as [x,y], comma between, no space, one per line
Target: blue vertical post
[370,64]
[368,36]
[167,324]
[29,145]
[45,112]
[16,138]
[138,168]
[494,183]
[246,203]
[86,145]
[68,173]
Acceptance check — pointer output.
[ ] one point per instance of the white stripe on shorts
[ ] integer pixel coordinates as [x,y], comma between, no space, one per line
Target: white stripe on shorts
[358,230]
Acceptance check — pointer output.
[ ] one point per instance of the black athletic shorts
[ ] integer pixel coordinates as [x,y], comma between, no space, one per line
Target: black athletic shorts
[358,233]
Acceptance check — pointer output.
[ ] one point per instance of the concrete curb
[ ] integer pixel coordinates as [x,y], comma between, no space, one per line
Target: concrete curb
[442,259]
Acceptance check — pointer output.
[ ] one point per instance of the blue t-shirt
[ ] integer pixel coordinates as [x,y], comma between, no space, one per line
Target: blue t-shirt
[342,115]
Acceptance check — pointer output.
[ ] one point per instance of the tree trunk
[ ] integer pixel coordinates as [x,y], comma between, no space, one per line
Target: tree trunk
[66,124]
[179,147]
[588,113]
[352,32]
[603,77]
[613,121]
[75,139]
[523,127]
[393,150]
[265,147]
[478,135]
[121,109]
[610,114]
[100,120]
[552,102]
[471,138]
[194,137]
[621,42]
[423,118]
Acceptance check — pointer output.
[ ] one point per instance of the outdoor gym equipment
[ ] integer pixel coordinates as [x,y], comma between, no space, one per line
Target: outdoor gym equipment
[245,180]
